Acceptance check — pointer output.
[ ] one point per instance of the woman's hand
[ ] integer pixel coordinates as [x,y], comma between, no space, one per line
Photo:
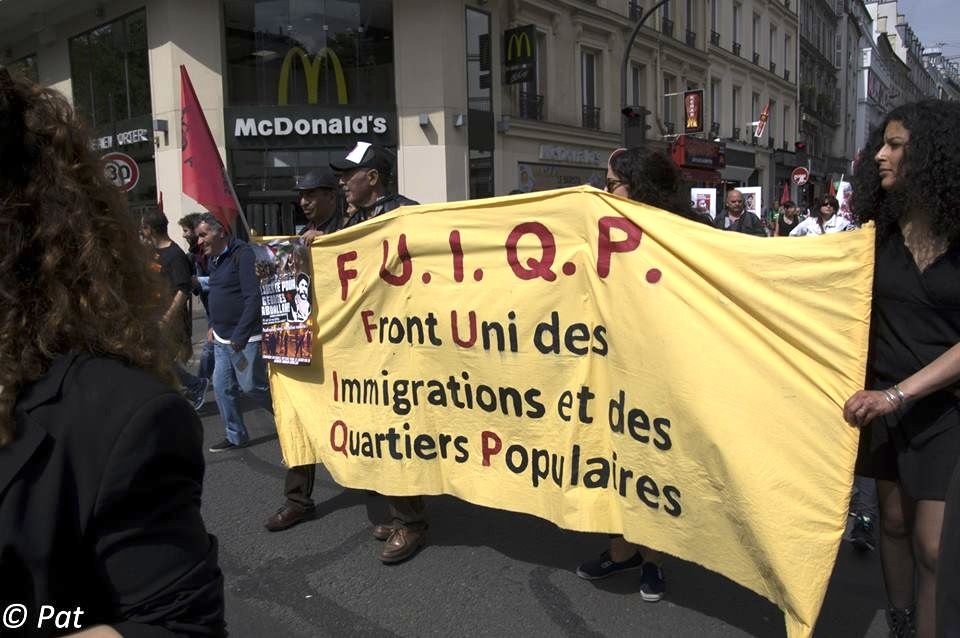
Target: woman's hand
[866,405]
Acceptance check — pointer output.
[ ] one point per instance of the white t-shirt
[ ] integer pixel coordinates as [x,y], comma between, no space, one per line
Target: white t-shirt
[811,226]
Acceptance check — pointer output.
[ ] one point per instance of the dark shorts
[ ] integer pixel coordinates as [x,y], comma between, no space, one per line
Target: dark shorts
[923,465]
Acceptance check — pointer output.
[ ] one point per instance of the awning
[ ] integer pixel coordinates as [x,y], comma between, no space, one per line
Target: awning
[736,173]
[699,175]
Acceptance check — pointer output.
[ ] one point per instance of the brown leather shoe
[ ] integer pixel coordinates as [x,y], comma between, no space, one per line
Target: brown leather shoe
[382,531]
[288,516]
[402,544]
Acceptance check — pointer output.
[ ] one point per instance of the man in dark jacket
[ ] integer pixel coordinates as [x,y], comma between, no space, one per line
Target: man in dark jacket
[734,217]
[318,194]
[364,175]
[235,328]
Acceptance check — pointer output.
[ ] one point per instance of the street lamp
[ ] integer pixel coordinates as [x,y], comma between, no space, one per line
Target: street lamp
[626,57]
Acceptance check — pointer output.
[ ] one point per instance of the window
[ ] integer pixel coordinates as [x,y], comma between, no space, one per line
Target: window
[480,126]
[786,126]
[737,10]
[787,51]
[300,52]
[756,34]
[771,112]
[638,78]
[531,93]
[714,15]
[755,107]
[689,15]
[715,88]
[773,45]
[589,72]
[110,70]
[668,87]
[735,112]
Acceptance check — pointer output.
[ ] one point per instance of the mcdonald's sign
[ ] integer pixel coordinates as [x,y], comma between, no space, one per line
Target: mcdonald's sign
[311,72]
[519,54]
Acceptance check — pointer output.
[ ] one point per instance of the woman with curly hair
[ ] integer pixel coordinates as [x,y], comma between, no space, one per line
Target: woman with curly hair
[101,465]
[648,177]
[907,181]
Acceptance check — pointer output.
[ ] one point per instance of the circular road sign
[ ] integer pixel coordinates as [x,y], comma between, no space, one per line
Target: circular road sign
[122,170]
[800,176]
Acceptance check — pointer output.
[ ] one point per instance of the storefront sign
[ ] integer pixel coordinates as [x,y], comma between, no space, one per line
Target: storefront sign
[121,170]
[541,177]
[123,138]
[694,152]
[305,126]
[325,58]
[519,54]
[588,156]
[693,111]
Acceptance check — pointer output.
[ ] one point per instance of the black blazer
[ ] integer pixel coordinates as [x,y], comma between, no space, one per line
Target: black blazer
[100,505]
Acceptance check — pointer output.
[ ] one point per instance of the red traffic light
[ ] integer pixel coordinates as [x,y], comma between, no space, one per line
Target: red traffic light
[800,146]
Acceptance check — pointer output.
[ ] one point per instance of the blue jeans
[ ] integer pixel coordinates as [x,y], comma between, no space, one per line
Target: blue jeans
[230,382]
[207,361]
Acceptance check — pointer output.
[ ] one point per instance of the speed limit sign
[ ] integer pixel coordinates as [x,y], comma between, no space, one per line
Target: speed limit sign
[122,170]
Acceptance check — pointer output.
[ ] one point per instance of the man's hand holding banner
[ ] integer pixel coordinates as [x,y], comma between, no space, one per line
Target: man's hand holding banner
[601,364]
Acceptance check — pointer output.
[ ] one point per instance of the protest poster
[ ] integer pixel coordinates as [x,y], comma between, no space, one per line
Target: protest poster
[283,271]
[594,362]
[752,199]
[704,200]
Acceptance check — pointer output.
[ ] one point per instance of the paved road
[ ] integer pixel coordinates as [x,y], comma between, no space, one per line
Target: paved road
[485,572]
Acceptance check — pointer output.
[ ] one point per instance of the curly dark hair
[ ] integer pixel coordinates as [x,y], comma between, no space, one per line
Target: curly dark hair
[929,175]
[73,276]
[652,178]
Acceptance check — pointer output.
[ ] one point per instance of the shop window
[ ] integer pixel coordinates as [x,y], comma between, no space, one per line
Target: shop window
[309,52]
[110,70]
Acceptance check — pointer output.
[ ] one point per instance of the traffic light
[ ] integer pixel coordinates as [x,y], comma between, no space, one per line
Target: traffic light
[635,125]
[800,147]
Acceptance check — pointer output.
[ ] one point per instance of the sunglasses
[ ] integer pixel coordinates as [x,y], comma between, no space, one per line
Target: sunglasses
[613,183]
[830,204]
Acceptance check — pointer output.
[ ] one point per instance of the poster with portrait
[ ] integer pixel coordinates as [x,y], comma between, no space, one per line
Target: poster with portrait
[752,199]
[844,197]
[283,270]
[704,200]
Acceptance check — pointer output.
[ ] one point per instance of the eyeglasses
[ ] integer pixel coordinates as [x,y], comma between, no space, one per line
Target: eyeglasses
[830,204]
[613,183]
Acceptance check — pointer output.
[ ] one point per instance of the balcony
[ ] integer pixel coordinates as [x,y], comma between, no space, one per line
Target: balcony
[756,58]
[715,38]
[530,106]
[691,38]
[736,133]
[786,74]
[666,26]
[634,10]
[773,67]
[591,117]
[736,49]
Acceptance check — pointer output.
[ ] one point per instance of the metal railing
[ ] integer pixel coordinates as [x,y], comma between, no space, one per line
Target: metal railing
[786,74]
[756,57]
[591,117]
[666,26]
[736,49]
[691,38]
[634,10]
[715,38]
[530,106]
[773,66]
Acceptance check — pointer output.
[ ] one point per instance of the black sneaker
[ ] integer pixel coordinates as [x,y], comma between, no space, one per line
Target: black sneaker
[652,583]
[862,536]
[605,566]
[197,395]
[901,622]
[225,445]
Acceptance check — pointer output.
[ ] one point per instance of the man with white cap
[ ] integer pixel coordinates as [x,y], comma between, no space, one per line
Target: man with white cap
[365,177]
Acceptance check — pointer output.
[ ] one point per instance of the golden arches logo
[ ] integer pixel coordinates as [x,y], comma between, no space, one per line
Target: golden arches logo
[516,43]
[311,71]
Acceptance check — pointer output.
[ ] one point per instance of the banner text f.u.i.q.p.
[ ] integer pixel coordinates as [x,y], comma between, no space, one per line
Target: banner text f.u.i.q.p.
[601,364]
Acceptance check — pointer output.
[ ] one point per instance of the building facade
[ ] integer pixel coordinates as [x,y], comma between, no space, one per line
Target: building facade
[476,98]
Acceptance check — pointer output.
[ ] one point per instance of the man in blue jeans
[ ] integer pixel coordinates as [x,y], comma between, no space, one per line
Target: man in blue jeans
[235,328]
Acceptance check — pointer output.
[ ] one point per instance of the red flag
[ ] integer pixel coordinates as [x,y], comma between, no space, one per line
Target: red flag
[785,195]
[832,191]
[204,177]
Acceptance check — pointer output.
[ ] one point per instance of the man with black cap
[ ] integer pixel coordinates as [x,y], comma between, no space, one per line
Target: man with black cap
[364,176]
[318,192]
[318,199]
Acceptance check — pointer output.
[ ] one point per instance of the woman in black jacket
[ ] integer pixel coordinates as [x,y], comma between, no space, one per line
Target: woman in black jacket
[100,458]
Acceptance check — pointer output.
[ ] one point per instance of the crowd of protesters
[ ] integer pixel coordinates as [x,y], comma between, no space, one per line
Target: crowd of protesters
[89,353]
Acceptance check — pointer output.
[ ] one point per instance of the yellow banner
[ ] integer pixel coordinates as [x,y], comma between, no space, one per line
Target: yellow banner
[601,364]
